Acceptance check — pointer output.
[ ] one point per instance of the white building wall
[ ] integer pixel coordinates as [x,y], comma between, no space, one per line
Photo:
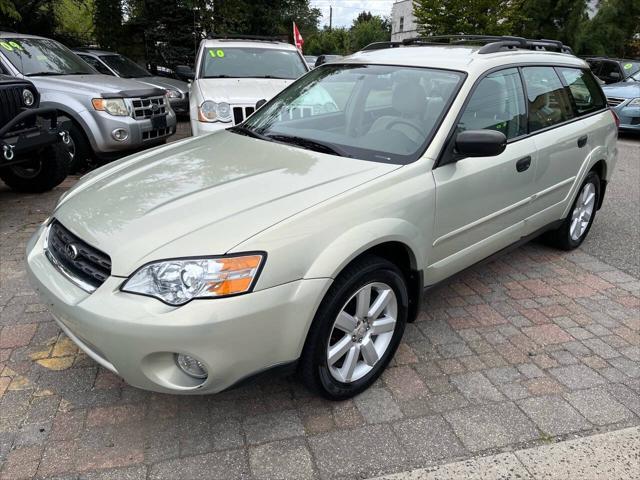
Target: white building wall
[403,10]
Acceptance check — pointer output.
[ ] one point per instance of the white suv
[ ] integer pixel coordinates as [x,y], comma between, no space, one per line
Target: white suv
[306,241]
[233,74]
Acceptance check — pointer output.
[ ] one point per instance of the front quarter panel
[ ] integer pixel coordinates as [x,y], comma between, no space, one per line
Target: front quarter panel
[320,241]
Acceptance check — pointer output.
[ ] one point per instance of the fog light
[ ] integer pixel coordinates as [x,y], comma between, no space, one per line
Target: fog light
[191,366]
[120,134]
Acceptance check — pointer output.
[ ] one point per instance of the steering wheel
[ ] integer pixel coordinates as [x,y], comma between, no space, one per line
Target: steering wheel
[407,123]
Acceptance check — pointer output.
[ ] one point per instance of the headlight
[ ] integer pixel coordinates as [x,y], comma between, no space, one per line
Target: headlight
[214,112]
[178,281]
[28,98]
[634,103]
[173,94]
[113,106]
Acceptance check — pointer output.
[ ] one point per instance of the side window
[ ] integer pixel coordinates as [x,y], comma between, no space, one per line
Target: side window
[95,63]
[497,103]
[584,90]
[549,103]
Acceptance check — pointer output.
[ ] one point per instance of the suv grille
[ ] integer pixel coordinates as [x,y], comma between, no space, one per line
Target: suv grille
[240,113]
[614,101]
[82,264]
[11,103]
[148,107]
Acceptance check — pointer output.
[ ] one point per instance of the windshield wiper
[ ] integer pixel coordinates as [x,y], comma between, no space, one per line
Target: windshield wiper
[308,144]
[43,74]
[242,130]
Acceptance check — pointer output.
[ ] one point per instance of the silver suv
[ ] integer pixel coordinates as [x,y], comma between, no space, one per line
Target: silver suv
[108,116]
[305,238]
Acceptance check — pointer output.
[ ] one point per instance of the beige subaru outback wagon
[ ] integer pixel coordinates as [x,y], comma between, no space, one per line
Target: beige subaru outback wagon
[303,238]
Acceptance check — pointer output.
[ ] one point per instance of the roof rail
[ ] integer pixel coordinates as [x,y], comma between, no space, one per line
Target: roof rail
[491,43]
[258,38]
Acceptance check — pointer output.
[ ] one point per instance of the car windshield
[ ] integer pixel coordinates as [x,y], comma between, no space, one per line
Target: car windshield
[247,62]
[636,76]
[41,56]
[371,112]
[124,67]
[630,68]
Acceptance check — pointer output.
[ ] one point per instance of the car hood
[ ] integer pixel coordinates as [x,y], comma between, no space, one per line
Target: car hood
[202,196]
[240,90]
[165,83]
[88,85]
[622,90]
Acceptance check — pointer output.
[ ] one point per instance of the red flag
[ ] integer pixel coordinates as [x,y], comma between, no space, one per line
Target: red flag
[297,38]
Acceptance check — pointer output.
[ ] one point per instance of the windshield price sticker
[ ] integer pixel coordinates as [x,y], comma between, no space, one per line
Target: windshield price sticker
[16,45]
[7,46]
[628,66]
[216,53]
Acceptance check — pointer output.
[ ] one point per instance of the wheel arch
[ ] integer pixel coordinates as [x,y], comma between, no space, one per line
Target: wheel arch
[600,168]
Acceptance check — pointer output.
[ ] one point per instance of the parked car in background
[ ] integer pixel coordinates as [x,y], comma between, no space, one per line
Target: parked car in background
[109,63]
[305,241]
[232,74]
[107,116]
[322,59]
[613,70]
[624,99]
[311,60]
[33,148]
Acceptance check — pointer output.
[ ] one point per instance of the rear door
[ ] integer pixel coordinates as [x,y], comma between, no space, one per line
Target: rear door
[561,101]
[482,202]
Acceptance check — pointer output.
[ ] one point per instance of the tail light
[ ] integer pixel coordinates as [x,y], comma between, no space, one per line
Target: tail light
[615,117]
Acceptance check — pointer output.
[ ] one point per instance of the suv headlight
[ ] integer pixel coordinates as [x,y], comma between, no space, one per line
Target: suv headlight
[113,106]
[179,281]
[173,94]
[28,98]
[634,103]
[214,112]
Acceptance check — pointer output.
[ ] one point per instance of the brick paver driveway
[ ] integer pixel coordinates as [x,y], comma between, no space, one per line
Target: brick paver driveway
[536,347]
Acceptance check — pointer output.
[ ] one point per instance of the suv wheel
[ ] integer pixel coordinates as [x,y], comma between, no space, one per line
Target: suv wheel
[46,169]
[79,151]
[576,226]
[356,330]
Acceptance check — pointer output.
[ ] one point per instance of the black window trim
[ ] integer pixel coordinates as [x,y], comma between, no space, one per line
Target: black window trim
[446,154]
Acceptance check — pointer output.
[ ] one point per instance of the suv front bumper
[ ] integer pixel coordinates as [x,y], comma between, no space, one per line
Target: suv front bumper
[137,337]
[141,133]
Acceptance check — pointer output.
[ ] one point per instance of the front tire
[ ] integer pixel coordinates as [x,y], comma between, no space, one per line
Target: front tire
[78,148]
[46,169]
[356,330]
[578,222]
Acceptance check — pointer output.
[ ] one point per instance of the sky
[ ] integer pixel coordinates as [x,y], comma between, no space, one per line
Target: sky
[344,11]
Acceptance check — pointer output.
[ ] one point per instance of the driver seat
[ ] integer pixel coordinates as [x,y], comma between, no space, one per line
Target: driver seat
[410,102]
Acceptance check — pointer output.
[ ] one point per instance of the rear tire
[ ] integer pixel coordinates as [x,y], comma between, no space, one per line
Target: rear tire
[349,346]
[576,225]
[46,169]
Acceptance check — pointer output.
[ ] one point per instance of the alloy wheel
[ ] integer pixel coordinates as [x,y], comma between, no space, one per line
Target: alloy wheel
[583,211]
[362,332]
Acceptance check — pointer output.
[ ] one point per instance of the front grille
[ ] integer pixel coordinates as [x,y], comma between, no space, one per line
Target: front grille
[240,113]
[614,101]
[11,103]
[148,107]
[80,260]
[158,133]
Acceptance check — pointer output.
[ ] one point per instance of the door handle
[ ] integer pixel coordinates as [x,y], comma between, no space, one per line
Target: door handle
[582,141]
[523,164]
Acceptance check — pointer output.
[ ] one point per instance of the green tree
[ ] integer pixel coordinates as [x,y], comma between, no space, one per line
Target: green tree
[452,17]
[8,10]
[29,16]
[107,18]
[364,32]
[614,30]
[336,41]
[74,21]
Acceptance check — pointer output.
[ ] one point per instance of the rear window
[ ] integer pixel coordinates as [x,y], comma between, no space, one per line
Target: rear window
[584,89]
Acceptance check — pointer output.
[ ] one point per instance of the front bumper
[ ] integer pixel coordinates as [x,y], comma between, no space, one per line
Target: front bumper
[136,336]
[142,134]
[629,116]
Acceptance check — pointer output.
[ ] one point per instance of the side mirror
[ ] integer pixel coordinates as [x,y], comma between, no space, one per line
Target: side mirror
[260,103]
[321,60]
[614,76]
[480,143]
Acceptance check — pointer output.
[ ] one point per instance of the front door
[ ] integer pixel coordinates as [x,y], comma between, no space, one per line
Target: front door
[482,202]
